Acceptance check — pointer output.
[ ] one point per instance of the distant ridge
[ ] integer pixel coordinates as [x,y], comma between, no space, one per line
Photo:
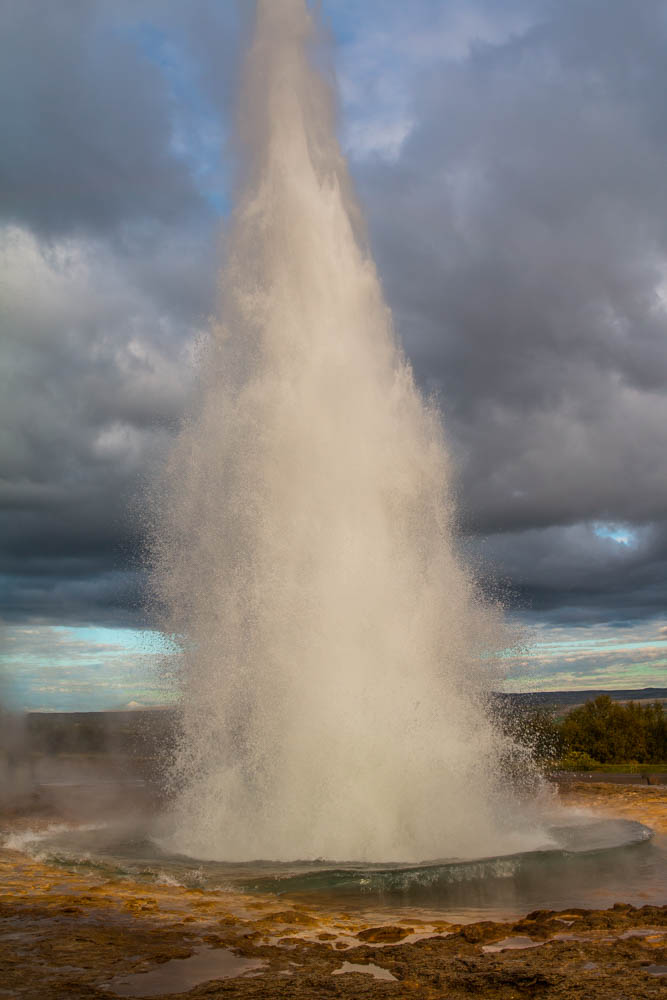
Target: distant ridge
[150,732]
[571,698]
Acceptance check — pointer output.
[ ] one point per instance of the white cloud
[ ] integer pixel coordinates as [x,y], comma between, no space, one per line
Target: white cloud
[64,669]
[602,656]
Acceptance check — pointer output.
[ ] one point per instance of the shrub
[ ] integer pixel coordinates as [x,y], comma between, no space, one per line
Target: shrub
[576,761]
[612,733]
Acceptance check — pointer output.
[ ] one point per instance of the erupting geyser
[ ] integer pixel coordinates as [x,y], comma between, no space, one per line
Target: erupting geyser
[336,656]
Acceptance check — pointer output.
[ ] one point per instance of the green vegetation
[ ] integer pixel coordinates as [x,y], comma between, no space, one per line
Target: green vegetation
[601,735]
[582,762]
[611,733]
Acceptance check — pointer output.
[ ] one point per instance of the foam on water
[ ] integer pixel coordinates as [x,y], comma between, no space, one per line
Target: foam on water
[598,860]
[336,654]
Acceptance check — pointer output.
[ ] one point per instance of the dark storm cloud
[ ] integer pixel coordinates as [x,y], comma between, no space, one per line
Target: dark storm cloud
[108,254]
[571,575]
[522,236]
[96,372]
[86,127]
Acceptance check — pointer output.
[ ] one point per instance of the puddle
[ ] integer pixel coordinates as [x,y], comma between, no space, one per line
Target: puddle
[641,932]
[656,970]
[526,942]
[376,971]
[420,936]
[181,974]
[512,943]
[344,941]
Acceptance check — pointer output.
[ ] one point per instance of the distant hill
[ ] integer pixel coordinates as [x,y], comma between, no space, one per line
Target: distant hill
[151,731]
[137,732]
[567,700]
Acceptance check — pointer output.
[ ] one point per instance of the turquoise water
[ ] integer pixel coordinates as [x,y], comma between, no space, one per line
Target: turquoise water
[594,864]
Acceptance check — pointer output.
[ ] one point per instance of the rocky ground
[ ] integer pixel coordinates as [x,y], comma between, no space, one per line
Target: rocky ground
[65,935]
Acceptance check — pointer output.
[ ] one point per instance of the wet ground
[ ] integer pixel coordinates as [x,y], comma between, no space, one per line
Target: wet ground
[75,934]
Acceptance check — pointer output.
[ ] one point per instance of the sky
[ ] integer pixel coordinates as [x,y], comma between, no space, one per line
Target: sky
[511,161]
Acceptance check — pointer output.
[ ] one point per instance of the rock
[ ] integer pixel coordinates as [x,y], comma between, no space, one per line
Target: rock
[289,917]
[384,935]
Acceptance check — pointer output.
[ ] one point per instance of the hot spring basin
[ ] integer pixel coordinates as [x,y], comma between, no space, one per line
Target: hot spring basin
[594,863]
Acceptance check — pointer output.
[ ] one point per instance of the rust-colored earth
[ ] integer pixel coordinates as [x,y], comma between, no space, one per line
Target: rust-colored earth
[66,935]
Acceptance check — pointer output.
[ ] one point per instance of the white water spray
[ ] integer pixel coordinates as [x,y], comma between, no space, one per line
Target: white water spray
[336,654]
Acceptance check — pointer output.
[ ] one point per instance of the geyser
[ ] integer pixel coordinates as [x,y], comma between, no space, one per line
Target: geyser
[336,654]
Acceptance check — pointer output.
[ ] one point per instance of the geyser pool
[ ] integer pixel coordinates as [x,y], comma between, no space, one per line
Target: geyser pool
[594,862]
[337,656]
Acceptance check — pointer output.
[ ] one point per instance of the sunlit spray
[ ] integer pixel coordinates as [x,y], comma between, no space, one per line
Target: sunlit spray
[336,653]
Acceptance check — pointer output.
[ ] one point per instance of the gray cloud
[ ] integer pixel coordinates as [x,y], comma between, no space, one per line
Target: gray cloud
[570,574]
[96,372]
[520,232]
[86,130]
[522,238]
[108,249]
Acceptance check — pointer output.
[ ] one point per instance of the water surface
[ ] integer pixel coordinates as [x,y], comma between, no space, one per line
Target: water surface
[595,863]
